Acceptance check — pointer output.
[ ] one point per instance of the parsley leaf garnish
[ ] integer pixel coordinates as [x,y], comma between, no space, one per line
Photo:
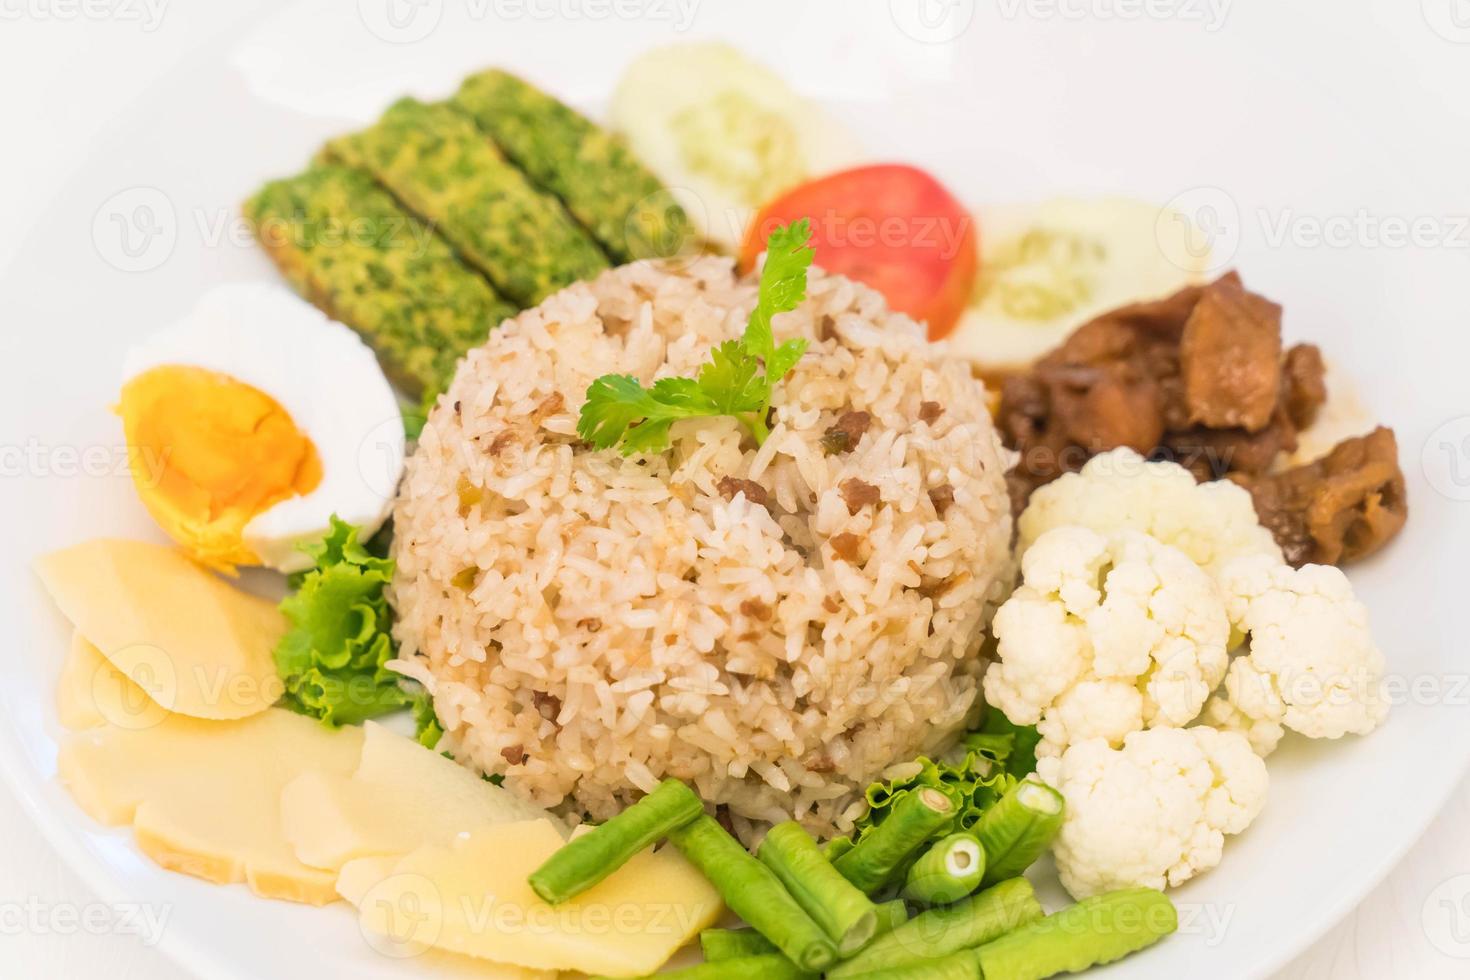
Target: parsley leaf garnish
[738,379]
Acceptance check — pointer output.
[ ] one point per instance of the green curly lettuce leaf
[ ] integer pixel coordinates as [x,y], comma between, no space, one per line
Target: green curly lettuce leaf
[1020,761]
[995,746]
[974,782]
[986,765]
[333,659]
[426,727]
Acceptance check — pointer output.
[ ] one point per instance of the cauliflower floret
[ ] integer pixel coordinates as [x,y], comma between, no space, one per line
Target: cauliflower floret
[1210,522]
[1107,634]
[1154,812]
[1311,665]
[1263,735]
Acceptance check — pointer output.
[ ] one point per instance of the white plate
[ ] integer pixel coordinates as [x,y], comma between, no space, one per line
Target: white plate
[1270,125]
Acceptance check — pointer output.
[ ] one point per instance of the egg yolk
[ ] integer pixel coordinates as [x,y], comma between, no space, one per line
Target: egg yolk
[209,453]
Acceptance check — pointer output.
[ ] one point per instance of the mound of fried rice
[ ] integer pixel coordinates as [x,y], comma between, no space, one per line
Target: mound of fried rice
[775,624]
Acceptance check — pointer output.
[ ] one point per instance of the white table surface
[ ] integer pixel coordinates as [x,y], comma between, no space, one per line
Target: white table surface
[69,67]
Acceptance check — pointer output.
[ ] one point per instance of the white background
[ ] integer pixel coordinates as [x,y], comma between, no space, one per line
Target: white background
[68,68]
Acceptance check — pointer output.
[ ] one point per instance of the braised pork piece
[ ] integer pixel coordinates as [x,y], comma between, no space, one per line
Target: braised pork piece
[1200,378]
[1338,509]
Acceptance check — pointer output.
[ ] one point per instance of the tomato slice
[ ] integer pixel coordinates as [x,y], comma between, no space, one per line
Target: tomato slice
[891,226]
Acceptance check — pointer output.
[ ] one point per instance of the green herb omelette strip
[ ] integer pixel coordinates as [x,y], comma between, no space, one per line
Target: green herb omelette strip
[592,857]
[880,855]
[844,913]
[753,892]
[1095,931]
[333,659]
[593,172]
[434,160]
[1019,829]
[947,929]
[947,872]
[730,944]
[737,380]
[347,246]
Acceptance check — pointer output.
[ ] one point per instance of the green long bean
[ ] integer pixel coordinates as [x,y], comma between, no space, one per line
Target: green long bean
[1095,931]
[947,872]
[772,966]
[873,861]
[588,859]
[753,892]
[733,944]
[963,965]
[1018,829]
[890,916]
[941,931]
[844,913]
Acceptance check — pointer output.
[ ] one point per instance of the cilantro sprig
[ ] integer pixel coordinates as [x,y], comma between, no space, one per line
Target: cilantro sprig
[738,379]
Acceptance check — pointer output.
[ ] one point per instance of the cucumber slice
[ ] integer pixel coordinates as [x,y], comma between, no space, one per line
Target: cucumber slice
[1045,269]
[724,133]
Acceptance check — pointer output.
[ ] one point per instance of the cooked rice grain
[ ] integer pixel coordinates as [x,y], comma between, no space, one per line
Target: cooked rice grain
[626,620]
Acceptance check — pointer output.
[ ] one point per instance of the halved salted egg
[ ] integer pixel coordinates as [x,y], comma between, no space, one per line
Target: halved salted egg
[253,420]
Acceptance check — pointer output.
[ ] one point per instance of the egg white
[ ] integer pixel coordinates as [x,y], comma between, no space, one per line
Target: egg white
[325,378]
